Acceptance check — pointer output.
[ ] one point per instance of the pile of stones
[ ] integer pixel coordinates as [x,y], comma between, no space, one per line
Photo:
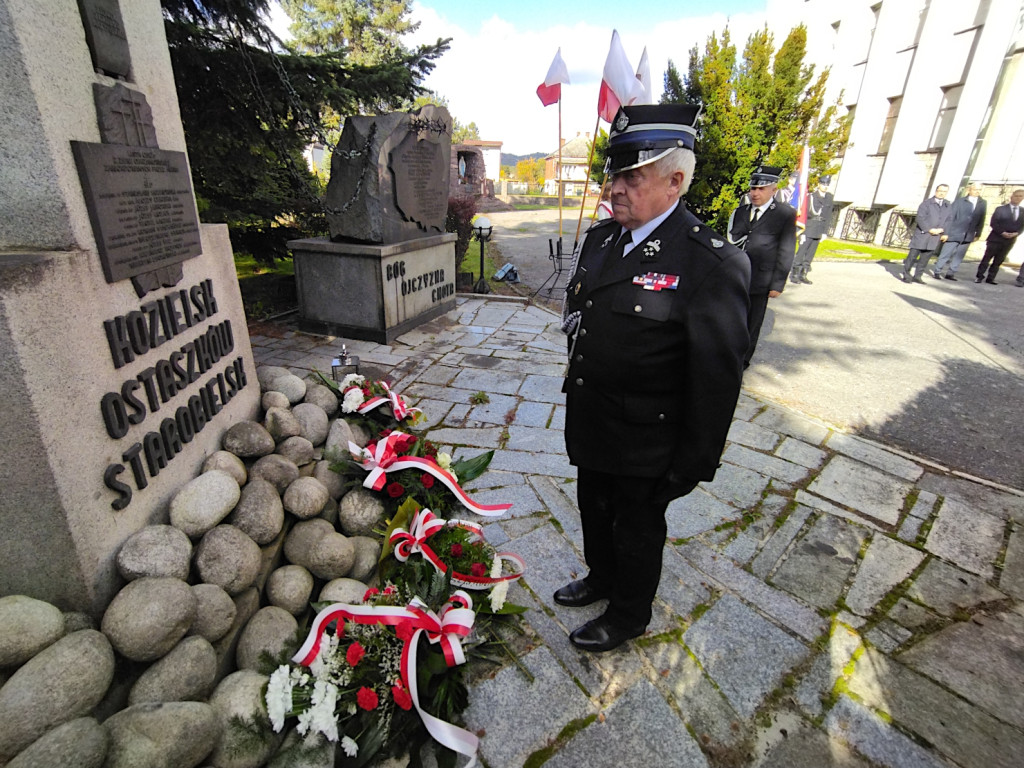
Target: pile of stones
[180,652]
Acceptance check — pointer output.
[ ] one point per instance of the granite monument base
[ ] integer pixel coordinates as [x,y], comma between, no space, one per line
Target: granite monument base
[373,292]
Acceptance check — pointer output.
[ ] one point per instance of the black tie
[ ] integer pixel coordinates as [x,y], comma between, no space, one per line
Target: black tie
[625,238]
[757,213]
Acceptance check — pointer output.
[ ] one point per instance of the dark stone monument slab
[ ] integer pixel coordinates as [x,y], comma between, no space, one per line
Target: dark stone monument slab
[104,32]
[141,207]
[389,177]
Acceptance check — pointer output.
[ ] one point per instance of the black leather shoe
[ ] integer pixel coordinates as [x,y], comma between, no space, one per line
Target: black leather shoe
[576,594]
[977,279]
[918,279]
[936,275]
[950,277]
[805,281]
[602,635]
[992,282]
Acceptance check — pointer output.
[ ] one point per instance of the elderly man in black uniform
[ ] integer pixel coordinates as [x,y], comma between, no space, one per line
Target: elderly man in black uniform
[656,315]
[819,216]
[928,229]
[766,230]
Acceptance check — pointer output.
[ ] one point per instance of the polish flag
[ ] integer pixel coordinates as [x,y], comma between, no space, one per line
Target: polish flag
[801,193]
[619,85]
[643,74]
[550,90]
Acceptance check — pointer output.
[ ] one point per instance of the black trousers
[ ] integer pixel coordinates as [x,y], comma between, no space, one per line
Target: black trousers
[996,254]
[623,537]
[755,318]
[917,260]
[805,254]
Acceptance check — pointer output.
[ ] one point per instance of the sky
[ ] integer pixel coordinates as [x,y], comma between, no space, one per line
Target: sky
[500,53]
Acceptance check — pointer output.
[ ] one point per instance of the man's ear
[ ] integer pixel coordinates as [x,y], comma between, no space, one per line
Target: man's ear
[675,182]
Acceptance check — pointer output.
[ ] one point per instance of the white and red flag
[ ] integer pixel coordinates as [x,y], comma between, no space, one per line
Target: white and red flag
[550,90]
[801,193]
[619,85]
[643,74]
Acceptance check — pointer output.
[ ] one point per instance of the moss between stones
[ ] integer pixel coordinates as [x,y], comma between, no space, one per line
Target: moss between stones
[541,756]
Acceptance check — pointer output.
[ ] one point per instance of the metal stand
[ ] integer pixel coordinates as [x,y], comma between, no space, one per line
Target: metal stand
[558,266]
[483,231]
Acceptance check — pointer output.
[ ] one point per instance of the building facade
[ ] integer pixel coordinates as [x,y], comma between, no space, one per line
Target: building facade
[572,173]
[935,89]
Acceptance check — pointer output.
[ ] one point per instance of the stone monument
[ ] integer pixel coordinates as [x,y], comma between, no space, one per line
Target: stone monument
[389,264]
[124,341]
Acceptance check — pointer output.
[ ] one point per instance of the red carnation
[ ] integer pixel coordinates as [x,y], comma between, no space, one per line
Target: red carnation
[370,593]
[404,631]
[386,432]
[395,490]
[427,480]
[390,589]
[456,550]
[367,698]
[402,697]
[478,569]
[354,653]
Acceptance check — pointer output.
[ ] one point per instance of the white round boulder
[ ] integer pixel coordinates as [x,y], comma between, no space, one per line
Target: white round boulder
[348,591]
[367,554]
[267,373]
[276,470]
[302,537]
[27,626]
[247,440]
[203,502]
[297,450]
[274,400]
[186,673]
[215,612]
[80,743]
[149,616]
[313,420]
[333,481]
[259,513]
[228,462]
[305,497]
[228,558]
[240,695]
[318,394]
[290,385]
[359,512]
[180,733]
[331,557]
[290,587]
[59,684]
[281,423]
[338,437]
[272,630]
[156,550]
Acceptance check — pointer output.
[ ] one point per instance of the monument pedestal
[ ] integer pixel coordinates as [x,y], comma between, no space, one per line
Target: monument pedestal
[373,292]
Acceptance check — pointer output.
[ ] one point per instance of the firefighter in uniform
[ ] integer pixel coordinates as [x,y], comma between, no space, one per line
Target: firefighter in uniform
[656,313]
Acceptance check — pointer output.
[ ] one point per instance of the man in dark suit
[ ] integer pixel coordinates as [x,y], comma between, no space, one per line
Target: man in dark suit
[656,312]
[766,230]
[819,216]
[928,229]
[1007,223]
[963,227]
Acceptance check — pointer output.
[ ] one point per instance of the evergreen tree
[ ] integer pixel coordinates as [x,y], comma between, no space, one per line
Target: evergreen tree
[370,30]
[674,90]
[249,109]
[760,109]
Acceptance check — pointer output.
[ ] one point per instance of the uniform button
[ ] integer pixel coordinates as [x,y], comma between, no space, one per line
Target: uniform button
[589,304]
[579,382]
[638,308]
[696,229]
[579,358]
[661,417]
[583,331]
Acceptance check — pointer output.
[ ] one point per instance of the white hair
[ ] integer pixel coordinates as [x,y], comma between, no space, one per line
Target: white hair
[679,159]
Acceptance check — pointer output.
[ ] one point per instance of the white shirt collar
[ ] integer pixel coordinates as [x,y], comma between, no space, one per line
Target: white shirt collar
[641,233]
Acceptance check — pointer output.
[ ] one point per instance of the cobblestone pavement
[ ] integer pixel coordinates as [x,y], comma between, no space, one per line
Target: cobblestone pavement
[826,601]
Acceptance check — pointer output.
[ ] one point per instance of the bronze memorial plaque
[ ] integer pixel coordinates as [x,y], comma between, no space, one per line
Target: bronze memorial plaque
[141,207]
[104,32]
[421,182]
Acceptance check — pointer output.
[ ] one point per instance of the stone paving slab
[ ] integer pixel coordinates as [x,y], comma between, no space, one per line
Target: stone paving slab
[695,513]
[491,382]
[871,454]
[799,452]
[753,436]
[721,640]
[529,414]
[821,505]
[543,389]
[551,465]
[534,439]
[865,489]
[810,748]
[766,466]
[779,542]
[737,485]
[871,735]
[1008,506]
[1012,579]
[627,732]
[819,565]
[966,537]
[789,423]
[886,563]
[949,590]
[827,668]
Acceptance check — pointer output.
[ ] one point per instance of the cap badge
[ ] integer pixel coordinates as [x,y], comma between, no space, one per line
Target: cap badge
[608,240]
[716,243]
[652,247]
[622,122]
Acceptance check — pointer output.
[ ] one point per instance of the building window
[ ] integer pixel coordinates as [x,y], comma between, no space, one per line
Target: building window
[944,119]
[890,124]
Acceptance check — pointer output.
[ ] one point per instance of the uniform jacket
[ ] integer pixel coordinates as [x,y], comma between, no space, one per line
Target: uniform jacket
[1002,221]
[819,215]
[770,243]
[931,214]
[654,375]
[965,220]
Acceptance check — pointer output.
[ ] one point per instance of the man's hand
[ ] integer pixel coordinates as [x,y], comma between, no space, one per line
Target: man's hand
[672,486]
[944,238]
[1009,235]
[774,294]
[935,231]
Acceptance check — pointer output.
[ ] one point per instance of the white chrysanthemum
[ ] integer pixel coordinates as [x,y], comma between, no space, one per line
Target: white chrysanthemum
[352,400]
[350,747]
[279,696]
[444,460]
[352,380]
[321,711]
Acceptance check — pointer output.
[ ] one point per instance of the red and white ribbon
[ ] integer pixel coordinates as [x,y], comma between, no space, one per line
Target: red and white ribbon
[383,457]
[424,525]
[397,402]
[448,630]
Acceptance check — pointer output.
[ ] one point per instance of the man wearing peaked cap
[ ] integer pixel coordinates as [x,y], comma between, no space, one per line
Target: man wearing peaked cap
[819,218]
[766,230]
[655,311]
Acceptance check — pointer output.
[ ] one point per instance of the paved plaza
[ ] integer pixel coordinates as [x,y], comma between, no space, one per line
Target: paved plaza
[826,601]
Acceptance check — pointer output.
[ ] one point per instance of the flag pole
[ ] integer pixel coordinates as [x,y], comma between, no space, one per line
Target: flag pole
[590,162]
[558,171]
